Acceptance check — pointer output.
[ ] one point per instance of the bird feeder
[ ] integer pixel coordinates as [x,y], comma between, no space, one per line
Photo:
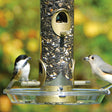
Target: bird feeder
[56,84]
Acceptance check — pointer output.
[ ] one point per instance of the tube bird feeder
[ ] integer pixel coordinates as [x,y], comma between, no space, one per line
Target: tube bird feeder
[56,83]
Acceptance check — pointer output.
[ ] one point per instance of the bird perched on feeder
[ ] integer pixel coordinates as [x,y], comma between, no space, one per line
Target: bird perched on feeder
[21,70]
[100,68]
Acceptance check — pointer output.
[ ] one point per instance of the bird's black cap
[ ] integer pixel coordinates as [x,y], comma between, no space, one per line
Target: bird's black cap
[20,57]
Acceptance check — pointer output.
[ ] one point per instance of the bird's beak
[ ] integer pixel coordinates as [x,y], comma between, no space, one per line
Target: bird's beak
[29,58]
[86,58]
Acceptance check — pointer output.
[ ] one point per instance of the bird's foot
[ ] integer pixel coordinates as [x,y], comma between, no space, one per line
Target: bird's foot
[34,80]
[106,90]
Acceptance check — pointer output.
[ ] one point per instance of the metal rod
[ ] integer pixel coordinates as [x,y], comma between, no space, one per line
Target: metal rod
[30,83]
[80,82]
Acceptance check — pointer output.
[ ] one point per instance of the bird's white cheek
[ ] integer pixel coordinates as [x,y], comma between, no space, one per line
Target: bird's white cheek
[20,64]
[94,69]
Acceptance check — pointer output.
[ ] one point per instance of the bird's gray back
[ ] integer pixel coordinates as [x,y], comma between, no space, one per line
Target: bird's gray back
[106,68]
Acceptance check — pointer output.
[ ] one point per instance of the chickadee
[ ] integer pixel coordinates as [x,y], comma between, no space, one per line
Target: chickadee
[100,68]
[21,70]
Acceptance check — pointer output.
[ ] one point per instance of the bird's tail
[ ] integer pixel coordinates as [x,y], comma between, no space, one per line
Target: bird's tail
[11,84]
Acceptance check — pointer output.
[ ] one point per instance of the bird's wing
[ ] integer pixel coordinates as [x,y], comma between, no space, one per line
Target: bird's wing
[106,68]
[16,74]
[15,71]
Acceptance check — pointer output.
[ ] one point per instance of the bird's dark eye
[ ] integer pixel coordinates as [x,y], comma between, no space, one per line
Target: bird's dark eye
[92,58]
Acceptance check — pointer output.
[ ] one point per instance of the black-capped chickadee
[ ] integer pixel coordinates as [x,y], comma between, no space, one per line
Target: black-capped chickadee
[21,70]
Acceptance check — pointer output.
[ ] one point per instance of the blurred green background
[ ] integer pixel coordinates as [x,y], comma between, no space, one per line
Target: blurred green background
[20,34]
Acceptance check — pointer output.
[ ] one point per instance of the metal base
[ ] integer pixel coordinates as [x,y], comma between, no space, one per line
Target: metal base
[39,96]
